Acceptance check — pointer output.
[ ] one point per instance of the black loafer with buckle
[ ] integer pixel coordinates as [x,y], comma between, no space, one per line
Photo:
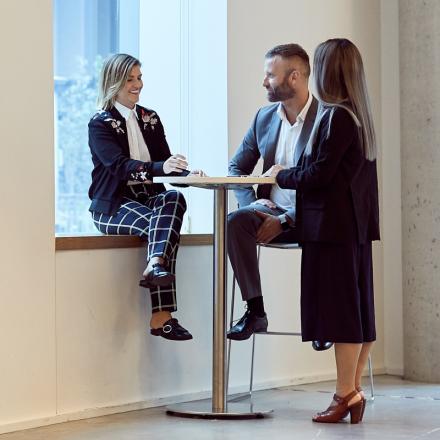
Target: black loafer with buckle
[172,330]
[158,276]
[321,345]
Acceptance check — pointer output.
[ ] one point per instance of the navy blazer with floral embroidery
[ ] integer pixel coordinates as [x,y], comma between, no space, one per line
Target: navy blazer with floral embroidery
[113,167]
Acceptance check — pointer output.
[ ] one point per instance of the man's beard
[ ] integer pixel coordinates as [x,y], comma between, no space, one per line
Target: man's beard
[280,93]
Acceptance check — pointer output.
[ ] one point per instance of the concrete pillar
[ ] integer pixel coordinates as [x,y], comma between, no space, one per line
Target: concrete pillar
[420,156]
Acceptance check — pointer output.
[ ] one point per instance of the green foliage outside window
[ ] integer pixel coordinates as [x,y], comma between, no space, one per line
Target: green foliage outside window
[75,103]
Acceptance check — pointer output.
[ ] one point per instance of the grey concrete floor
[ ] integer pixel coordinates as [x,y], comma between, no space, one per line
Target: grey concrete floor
[402,410]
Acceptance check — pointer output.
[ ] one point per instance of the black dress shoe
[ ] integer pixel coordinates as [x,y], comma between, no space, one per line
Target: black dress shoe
[158,276]
[247,325]
[172,330]
[321,345]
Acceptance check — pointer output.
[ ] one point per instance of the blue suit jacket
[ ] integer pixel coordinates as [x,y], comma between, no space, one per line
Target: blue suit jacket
[261,141]
[113,166]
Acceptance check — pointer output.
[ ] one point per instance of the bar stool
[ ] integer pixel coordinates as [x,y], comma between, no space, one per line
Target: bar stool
[276,333]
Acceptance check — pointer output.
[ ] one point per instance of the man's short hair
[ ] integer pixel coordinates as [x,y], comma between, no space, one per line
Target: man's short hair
[291,50]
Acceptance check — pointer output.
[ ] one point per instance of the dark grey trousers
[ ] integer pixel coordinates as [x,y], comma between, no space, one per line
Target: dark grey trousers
[243,225]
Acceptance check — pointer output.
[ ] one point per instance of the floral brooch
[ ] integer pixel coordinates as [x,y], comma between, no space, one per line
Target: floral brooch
[116,125]
[140,176]
[149,119]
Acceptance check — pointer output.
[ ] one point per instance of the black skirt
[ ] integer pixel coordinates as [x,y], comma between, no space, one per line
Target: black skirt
[337,294]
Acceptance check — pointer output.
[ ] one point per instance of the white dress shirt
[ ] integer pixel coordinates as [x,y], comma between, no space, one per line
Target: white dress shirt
[136,142]
[285,152]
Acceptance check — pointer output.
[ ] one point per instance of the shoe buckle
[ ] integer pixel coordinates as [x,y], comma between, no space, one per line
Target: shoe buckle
[167,328]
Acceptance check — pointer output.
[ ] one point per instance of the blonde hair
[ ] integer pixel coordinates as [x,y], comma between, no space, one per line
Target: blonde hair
[340,82]
[114,75]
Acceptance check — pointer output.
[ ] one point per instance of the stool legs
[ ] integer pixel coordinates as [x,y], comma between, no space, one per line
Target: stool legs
[228,367]
[231,318]
[370,373]
[251,380]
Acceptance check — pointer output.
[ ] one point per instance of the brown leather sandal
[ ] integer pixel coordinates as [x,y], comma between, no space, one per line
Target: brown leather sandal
[364,400]
[335,413]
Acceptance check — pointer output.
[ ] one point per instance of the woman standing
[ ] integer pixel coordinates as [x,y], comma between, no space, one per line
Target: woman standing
[128,149]
[338,218]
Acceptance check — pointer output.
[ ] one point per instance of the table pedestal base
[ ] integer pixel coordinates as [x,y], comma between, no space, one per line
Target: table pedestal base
[203,410]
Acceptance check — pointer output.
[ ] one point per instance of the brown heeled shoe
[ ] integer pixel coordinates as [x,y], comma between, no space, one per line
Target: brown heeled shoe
[335,413]
[364,401]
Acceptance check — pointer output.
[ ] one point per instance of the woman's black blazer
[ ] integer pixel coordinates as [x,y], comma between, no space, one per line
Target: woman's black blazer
[337,190]
[113,167]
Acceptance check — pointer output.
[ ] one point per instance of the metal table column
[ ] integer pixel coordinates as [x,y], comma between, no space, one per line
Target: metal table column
[217,407]
[219,361]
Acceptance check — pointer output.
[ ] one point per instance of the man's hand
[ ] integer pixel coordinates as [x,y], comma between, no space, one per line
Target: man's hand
[269,229]
[265,202]
[175,164]
[273,171]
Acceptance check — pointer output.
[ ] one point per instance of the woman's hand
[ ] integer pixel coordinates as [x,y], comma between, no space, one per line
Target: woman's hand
[197,173]
[175,164]
[273,171]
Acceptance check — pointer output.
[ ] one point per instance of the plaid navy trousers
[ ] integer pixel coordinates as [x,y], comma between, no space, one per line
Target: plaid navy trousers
[158,218]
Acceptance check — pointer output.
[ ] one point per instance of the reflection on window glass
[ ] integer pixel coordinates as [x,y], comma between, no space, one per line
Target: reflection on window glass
[85,32]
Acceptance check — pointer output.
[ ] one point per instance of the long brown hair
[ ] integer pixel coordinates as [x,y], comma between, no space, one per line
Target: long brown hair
[114,75]
[340,82]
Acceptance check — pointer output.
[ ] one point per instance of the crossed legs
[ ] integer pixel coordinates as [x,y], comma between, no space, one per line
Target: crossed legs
[159,219]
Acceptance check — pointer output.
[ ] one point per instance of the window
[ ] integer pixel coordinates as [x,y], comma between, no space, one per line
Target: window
[182,47]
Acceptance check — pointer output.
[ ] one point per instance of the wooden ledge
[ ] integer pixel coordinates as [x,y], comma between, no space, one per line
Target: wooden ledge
[80,242]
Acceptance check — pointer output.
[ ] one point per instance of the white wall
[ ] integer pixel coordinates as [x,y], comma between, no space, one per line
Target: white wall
[27,258]
[74,324]
[106,356]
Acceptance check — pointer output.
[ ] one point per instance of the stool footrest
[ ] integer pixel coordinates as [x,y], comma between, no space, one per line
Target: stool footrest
[278,333]
[280,245]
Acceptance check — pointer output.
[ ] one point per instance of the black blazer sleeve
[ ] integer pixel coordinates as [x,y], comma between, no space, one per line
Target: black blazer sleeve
[330,151]
[336,185]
